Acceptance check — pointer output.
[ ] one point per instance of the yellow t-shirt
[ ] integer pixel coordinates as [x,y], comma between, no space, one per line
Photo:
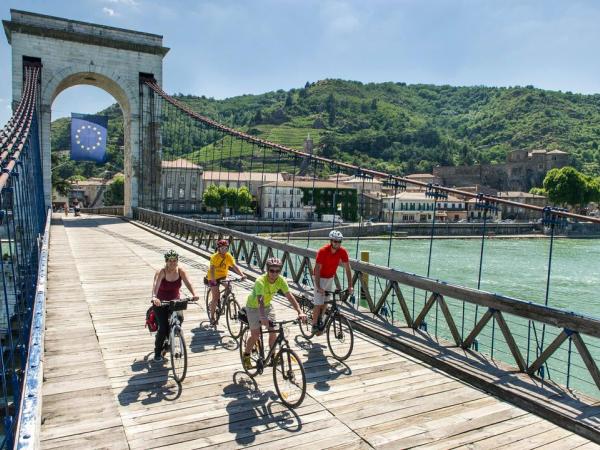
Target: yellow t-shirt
[221,263]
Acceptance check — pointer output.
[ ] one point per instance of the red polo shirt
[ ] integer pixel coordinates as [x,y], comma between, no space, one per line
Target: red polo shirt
[330,261]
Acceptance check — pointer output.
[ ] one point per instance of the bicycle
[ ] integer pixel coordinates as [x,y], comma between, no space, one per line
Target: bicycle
[288,372]
[340,335]
[175,342]
[227,304]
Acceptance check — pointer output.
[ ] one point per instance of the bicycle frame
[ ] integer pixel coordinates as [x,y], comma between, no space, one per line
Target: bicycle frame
[280,342]
[333,310]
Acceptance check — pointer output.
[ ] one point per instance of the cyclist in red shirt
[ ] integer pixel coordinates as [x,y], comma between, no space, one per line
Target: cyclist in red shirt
[328,259]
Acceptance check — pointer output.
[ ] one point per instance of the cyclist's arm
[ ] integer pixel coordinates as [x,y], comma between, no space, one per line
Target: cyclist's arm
[318,276]
[185,279]
[348,275]
[293,301]
[213,279]
[158,277]
[261,307]
[237,270]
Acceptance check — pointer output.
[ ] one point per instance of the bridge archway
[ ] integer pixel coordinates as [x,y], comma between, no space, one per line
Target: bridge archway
[78,53]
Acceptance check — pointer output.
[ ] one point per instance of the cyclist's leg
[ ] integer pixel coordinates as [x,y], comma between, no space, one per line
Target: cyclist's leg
[319,300]
[214,290]
[270,312]
[254,324]
[162,317]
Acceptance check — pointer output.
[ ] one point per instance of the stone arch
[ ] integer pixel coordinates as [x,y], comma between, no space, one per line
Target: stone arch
[78,53]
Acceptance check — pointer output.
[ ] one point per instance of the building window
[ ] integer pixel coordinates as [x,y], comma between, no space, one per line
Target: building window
[298,204]
[298,214]
[193,207]
[277,214]
[292,191]
[181,192]
[269,214]
[169,192]
[182,206]
[270,204]
[169,206]
[193,193]
[284,204]
[284,214]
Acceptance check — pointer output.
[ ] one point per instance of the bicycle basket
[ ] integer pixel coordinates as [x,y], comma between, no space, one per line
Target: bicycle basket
[177,306]
[151,321]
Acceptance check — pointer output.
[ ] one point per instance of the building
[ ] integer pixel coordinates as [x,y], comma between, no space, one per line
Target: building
[318,197]
[426,178]
[475,214]
[517,213]
[181,186]
[284,202]
[252,180]
[521,171]
[370,205]
[411,206]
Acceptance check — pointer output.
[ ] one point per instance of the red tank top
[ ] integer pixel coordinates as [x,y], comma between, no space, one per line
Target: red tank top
[169,290]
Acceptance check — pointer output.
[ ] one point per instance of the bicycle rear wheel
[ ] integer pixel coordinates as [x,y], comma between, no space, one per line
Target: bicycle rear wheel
[340,337]
[289,378]
[255,353]
[306,328]
[178,354]
[231,315]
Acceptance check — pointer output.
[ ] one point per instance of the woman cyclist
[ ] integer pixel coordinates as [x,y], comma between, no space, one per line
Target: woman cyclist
[220,263]
[167,283]
[259,309]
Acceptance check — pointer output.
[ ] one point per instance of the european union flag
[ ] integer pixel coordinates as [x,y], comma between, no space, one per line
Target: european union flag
[88,137]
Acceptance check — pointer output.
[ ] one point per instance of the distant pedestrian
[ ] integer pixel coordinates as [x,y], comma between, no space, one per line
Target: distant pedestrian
[66,208]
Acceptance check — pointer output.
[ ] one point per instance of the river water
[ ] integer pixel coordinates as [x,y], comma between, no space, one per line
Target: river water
[513,267]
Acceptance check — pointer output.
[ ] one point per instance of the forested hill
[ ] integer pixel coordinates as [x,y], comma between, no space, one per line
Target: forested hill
[411,128]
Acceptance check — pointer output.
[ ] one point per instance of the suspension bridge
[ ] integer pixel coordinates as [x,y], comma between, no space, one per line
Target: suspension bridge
[437,363]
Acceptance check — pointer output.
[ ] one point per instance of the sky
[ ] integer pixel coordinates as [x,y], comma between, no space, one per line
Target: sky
[224,48]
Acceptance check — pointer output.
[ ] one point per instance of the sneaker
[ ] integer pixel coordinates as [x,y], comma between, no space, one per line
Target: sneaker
[247,362]
[315,329]
[158,358]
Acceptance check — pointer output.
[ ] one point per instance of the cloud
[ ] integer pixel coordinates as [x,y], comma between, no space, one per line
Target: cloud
[109,11]
[124,2]
[340,17]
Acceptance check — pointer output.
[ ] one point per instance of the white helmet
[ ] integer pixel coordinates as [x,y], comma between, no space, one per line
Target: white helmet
[335,235]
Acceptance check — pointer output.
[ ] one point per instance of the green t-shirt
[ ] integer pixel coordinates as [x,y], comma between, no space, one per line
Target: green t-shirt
[267,290]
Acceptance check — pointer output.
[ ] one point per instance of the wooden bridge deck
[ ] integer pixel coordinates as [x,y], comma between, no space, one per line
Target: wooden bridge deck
[101,391]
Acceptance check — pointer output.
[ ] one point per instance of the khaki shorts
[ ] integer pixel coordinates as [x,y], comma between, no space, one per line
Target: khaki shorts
[327,284]
[254,316]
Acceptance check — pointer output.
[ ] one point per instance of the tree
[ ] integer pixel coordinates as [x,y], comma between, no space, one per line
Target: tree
[538,191]
[115,193]
[212,197]
[330,106]
[289,100]
[244,199]
[566,186]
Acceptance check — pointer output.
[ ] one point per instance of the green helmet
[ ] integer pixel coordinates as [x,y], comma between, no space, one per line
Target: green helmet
[171,254]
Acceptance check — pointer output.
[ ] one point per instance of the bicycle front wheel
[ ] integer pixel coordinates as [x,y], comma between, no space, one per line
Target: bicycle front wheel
[340,337]
[289,378]
[178,354]
[255,353]
[233,321]
[207,302]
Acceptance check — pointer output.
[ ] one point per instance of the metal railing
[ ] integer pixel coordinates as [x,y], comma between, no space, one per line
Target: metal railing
[105,210]
[30,412]
[23,218]
[410,300]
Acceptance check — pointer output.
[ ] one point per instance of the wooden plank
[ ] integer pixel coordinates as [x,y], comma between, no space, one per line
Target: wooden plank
[379,393]
[548,351]
[478,328]
[587,358]
[510,341]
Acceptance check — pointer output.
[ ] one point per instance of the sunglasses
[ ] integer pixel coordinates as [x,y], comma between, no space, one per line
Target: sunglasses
[171,259]
[337,242]
[274,270]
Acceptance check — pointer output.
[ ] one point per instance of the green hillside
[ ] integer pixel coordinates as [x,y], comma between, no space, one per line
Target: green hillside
[392,127]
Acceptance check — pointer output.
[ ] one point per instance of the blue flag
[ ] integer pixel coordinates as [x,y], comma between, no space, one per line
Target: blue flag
[88,137]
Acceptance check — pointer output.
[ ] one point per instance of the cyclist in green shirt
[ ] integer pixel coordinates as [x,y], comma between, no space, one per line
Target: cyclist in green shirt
[259,309]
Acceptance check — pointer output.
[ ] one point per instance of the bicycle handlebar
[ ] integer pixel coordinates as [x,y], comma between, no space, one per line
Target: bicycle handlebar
[178,300]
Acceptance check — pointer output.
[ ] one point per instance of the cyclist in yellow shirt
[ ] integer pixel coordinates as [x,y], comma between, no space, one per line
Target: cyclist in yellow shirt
[220,263]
